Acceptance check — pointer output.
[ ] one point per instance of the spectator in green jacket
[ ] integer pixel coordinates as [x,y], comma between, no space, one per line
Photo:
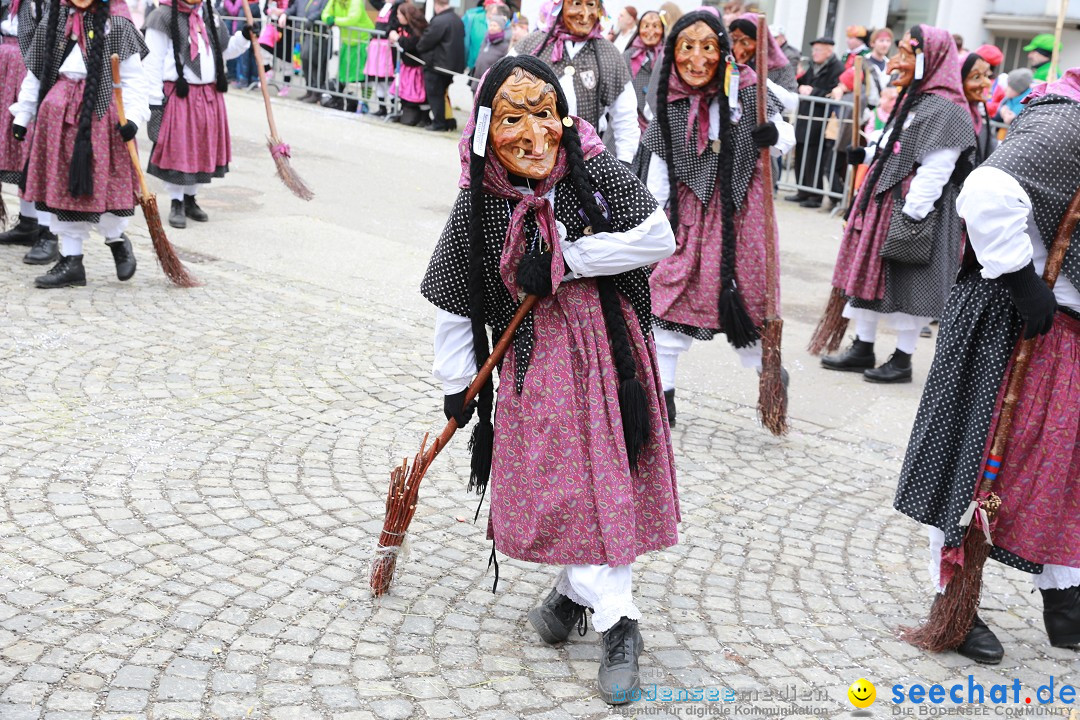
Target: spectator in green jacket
[1040,50]
[352,17]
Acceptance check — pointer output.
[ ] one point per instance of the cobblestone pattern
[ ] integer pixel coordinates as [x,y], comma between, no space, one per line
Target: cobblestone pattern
[193,481]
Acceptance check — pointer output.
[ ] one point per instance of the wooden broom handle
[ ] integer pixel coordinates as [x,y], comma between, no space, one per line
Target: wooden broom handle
[766,166]
[118,98]
[262,73]
[1054,262]
[856,119]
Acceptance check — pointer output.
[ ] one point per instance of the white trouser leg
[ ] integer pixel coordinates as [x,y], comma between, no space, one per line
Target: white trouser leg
[937,543]
[866,329]
[750,357]
[669,345]
[603,588]
[906,340]
[46,219]
[176,192]
[72,236]
[27,209]
[381,88]
[112,226]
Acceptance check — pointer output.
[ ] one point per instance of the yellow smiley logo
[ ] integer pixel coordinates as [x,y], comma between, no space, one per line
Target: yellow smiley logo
[862,693]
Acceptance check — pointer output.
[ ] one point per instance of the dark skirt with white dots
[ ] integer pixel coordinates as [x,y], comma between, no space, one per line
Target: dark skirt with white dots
[979,330]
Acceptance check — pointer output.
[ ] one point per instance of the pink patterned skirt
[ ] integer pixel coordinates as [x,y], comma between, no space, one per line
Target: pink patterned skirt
[1039,483]
[410,85]
[380,61]
[686,286]
[57,123]
[193,144]
[562,491]
[12,72]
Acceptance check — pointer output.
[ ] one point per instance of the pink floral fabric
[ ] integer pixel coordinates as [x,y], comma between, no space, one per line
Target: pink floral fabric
[686,286]
[12,72]
[57,122]
[859,270]
[562,491]
[194,136]
[1039,518]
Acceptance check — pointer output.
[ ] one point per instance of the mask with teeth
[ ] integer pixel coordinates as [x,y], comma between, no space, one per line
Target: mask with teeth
[525,127]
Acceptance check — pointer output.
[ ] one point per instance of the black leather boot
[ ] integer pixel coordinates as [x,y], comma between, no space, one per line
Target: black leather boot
[857,358]
[981,644]
[46,250]
[669,400]
[123,256]
[1061,613]
[556,617]
[68,272]
[897,369]
[193,211]
[618,676]
[177,218]
[25,232]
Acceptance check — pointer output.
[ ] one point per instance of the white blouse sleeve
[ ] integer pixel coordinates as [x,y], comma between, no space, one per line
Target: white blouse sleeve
[160,49]
[934,171]
[657,183]
[133,90]
[786,140]
[455,361]
[996,210]
[624,123]
[25,107]
[609,253]
[238,45]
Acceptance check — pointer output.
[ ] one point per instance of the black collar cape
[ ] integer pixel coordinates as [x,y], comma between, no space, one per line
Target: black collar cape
[159,20]
[445,283]
[121,38]
[1042,151]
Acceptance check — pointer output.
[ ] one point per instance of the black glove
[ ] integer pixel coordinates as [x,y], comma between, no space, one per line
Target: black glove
[855,155]
[454,408]
[19,132]
[765,135]
[127,130]
[534,274]
[1033,298]
[248,31]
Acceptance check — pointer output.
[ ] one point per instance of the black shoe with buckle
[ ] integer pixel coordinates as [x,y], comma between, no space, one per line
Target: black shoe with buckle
[1061,614]
[46,250]
[556,617]
[68,272]
[981,644]
[25,232]
[618,677]
[857,358]
[897,369]
[177,218]
[193,211]
[123,256]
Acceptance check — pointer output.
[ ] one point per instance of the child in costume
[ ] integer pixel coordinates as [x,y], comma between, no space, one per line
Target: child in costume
[381,57]
[185,73]
[79,168]
[700,157]
[19,19]
[580,461]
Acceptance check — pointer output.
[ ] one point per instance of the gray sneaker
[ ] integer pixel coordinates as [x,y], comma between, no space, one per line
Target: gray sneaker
[618,676]
[556,617]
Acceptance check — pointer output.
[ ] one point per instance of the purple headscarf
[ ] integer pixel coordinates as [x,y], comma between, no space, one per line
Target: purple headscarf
[941,71]
[777,58]
[1068,85]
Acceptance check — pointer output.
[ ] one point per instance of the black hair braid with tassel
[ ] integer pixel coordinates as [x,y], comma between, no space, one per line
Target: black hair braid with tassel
[81,172]
[904,101]
[221,80]
[181,86]
[662,117]
[47,77]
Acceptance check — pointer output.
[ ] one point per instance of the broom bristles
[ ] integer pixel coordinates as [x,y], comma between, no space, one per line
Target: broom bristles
[772,395]
[285,172]
[953,612]
[382,573]
[833,325]
[170,264]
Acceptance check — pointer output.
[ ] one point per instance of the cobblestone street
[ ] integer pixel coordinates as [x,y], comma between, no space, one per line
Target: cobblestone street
[192,483]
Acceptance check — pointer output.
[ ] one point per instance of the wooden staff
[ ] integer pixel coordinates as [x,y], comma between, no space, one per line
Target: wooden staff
[772,395]
[856,117]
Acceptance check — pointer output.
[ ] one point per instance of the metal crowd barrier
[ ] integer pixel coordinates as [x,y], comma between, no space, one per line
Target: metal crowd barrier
[818,166]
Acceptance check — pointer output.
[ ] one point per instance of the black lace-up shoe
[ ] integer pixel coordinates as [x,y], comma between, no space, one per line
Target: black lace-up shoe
[618,677]
[555,618]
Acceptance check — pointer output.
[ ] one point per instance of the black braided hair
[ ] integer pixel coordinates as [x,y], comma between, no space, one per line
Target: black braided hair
[632,400]
[221,81]
[81,172]
[734,319]
[897,118]
[181,87]
[46,71]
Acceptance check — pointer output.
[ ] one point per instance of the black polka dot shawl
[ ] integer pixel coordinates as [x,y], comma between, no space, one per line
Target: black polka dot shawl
[445,283]
[1042,151]
[698,172]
